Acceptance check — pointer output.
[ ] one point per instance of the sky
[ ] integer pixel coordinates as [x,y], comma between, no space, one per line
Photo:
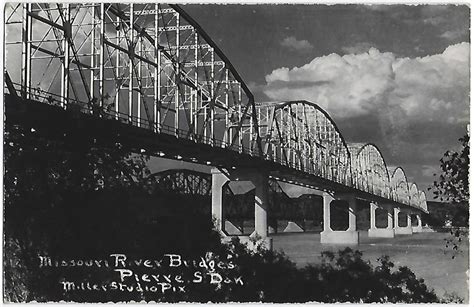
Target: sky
[393,75]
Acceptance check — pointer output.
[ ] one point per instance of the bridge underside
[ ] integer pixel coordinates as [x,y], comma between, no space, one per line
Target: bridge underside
[67,125]
[54,122]
[148,77]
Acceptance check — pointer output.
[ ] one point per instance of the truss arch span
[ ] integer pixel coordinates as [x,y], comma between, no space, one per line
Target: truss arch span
[301,135]
[414,195]
[399,185]
[151,66]
[369,170]
[422,199]
[146,64]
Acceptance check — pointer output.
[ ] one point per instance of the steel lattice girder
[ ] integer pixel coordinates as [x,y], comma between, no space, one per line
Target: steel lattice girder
[399,186]
[301,135]
[369,170]
[182,181]
[422,201]
[150,65]
[414,195]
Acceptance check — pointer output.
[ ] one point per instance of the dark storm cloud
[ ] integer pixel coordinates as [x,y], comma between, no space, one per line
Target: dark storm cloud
[251,35]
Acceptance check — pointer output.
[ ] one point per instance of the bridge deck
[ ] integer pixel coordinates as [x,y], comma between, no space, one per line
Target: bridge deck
[53,121]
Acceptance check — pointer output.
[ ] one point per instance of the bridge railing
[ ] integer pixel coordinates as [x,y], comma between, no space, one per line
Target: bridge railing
[173,66]
[81,106]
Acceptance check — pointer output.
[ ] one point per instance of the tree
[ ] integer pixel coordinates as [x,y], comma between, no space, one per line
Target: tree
[452,187]
[48,180]
[453,183]
[73,198]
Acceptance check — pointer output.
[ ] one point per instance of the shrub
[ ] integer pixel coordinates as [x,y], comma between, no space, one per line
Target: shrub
[79,200]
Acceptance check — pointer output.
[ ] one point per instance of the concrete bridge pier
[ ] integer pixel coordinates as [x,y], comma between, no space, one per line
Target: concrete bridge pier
[418,227]
[349,236]
[407,230]
[375,232]
[261,204]
[219,179]
[426,228]
[259,180]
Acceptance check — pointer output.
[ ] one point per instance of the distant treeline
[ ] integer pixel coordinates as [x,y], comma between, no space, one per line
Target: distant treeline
[447,214]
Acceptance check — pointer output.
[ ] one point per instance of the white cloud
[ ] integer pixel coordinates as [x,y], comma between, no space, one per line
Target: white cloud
[342,85]
[416,107]
[298,45]
[428,88]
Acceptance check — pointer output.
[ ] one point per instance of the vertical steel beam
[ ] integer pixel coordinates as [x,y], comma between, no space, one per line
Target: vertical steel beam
[317,149]
[227,124]
[139,77]
[101,55]
[67,36]
[251,145]
[272,116]
[177,79]
[117,68]
[241,118]
[26,52]
[293,139]
[298,138]
[307,151]
[314,132]
[192,98]
[196,81]
[288,137]
[262,130]
[92,60]
[213,98]
[157,75]
[282,141]
[131,52]
[327,150]
[297,145]
[305,133]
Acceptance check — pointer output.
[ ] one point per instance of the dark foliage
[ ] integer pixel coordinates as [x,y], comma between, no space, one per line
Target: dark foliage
[342,277]
[80,200]
[442,214]
[453,183]
[452,187]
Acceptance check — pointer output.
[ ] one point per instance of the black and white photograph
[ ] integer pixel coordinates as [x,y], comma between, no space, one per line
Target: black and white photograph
[235,153]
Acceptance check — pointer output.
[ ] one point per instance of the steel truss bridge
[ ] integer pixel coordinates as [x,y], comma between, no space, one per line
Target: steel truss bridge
[150,76]
[193,184]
